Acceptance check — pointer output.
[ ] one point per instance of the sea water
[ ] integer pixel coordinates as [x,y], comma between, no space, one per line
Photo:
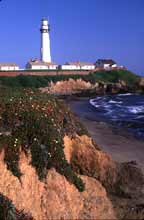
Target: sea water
[123,111]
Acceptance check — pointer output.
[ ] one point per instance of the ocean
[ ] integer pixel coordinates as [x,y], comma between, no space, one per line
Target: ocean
[124,111]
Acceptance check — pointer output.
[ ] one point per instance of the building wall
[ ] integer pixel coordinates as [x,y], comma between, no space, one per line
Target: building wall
[108,66]
[45,48]
[53,67]
[70,67]
[88,67]
[114,65]
[105,65]
[9,68]
[45,43]
[74,67]
[36,67]
[41,67]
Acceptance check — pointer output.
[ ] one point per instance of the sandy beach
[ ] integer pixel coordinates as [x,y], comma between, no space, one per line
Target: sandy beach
[121,145]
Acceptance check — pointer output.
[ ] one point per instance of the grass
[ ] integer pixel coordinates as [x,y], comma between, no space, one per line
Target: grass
[36,122]
[42,81]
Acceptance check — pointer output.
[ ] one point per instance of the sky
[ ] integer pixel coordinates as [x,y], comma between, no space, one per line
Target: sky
[84,30]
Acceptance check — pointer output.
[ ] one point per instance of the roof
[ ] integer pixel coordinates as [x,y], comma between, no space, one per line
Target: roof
[106,61]
[40,63]
[8,64]
[78,63]
[44,19]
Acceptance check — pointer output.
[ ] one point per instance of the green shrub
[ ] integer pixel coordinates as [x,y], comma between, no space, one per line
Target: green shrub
[35,122]
[29,81]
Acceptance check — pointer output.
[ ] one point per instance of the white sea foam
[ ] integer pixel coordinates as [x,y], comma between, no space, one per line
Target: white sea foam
[140,116]
[126,94]
[115,102]
[94,103]
[98,97]
[135,109]
[110,112]
[107,106]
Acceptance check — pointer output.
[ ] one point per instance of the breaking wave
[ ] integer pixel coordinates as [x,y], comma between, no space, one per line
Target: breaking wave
[124,110]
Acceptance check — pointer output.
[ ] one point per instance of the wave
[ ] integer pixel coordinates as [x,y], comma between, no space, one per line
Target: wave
[92,102]
[126,94]
[140,117]
[123,110]
[136,109]
[101,105]
[115,102]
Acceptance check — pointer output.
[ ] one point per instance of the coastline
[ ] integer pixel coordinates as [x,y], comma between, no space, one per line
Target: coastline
[118,143]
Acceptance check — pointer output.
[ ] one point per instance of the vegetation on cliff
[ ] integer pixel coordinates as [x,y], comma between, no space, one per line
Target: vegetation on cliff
[113,76]
[36,123]
[9,212]
[38,131]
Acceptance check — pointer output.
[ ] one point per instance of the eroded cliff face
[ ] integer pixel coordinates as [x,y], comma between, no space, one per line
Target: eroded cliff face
[81,87]
[55,198]
[51,169]
[86,158]
[124,182]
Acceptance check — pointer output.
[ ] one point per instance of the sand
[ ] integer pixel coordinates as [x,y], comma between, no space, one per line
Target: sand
[121,145]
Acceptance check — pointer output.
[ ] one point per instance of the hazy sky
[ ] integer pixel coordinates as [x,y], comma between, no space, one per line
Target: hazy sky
[80,30]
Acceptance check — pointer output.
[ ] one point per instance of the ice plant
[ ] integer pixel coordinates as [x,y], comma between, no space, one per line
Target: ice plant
[37,124]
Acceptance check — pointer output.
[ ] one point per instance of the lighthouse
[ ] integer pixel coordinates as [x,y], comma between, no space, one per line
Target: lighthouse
[45,41]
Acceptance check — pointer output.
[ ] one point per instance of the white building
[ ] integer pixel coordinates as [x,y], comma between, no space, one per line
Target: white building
[105,64]
[70,66]
[87,66]
[77,66]
[8,67]
[39,65]
[45,41]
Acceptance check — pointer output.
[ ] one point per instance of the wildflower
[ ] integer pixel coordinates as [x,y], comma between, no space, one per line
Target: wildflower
[49,154]
[16,140]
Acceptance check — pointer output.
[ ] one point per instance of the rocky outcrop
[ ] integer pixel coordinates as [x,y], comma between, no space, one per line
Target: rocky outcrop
[107,184]
[88,160]
[68,87]
[123,182]
[141,83]
[82,88]
[55,198]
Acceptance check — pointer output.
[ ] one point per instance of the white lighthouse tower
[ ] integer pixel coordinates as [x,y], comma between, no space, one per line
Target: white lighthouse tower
[45,41]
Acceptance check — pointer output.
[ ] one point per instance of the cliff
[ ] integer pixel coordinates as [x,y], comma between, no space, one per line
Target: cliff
[80,87]
[51,169]
[117,79]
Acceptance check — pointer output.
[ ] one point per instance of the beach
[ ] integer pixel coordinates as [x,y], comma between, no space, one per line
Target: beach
[118,143]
